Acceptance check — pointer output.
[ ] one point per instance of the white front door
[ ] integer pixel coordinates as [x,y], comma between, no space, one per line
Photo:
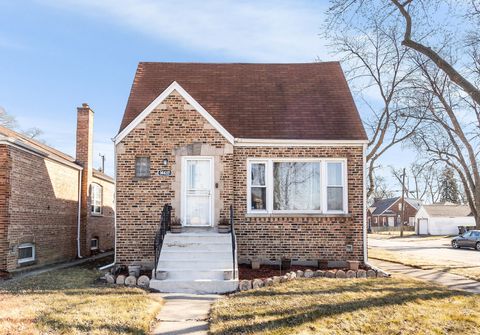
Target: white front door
[197,179]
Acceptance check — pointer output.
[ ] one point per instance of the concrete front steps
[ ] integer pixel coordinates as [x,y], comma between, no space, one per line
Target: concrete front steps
[195,263]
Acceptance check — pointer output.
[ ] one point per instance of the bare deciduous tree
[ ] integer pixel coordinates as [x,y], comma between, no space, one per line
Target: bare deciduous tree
[377,65]
[450,130]
[422,181]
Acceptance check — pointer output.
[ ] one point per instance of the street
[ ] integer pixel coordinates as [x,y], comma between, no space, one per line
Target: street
[431,250]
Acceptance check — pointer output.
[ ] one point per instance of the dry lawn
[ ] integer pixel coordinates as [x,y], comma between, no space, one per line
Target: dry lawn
[405,258]
[331,306]
[69,301]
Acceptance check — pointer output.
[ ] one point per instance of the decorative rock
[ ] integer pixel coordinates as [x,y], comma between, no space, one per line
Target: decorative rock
[361,274]
[371,274]
[292,275]
[257,283]
[131,281]
[268,282]
[143,281]
[299,273]
[283,278]
[330,274]
[245,285]
[277,279]
[340,274]
[308,273]
[351,274]
[319,273]
[110,279]
[120,280]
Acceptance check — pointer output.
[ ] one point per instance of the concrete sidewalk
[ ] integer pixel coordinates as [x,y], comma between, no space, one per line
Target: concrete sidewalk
[452,281]
[184,313]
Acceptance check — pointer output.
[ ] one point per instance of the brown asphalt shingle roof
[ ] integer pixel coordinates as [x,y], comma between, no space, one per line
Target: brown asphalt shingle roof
[309,101]
[36,145]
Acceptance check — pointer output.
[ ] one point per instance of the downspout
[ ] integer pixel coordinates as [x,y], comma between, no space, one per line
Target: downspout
[80,172]
[114,209]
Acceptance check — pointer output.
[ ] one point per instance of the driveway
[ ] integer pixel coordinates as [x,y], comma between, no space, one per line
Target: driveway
[429,249]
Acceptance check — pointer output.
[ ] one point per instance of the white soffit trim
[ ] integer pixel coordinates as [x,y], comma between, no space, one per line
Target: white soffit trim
[251,142]
[173,87]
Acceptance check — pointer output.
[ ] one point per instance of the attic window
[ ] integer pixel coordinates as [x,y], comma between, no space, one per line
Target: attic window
[142,167]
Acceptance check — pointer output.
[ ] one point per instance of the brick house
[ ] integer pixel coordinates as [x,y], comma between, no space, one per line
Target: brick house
[42,219]
[388,212]
[283,144]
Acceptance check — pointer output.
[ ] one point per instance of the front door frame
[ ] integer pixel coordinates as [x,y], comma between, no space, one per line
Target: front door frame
[184,189]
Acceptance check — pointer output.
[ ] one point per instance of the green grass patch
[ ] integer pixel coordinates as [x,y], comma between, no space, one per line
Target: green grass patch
[331,306]
[71,301]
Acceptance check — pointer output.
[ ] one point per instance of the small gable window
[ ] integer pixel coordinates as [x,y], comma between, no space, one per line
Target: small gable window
[142,167]
[26,253]
[96,199]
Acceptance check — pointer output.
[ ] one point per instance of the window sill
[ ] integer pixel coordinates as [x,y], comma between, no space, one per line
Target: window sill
[298,215]
[23,263]
[96,214]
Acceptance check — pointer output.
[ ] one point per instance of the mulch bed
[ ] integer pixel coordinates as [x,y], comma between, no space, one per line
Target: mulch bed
[266,271]
[246,272]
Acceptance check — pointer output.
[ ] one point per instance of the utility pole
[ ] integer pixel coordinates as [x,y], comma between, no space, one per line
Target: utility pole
[403,203]
[103,162]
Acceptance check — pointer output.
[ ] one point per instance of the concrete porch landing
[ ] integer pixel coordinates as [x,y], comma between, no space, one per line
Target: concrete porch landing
[195,262]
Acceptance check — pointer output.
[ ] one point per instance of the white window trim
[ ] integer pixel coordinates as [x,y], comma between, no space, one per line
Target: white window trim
[344,185]
[92,199]
[323,185]
[94,248]
[25,246]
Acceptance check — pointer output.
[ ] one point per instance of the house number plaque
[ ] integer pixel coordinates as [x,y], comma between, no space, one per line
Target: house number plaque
[167,173]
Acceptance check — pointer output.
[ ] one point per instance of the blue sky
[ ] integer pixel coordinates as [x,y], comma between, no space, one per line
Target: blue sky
[55,55]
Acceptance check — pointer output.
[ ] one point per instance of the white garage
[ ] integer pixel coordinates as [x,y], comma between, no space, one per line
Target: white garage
[442,219]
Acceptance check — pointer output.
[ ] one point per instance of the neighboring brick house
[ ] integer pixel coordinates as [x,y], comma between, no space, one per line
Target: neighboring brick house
[388,212]
[282,143]
[40,220]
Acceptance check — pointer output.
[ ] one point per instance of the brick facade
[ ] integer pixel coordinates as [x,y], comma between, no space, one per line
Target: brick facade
[101,226]
[39,191]
[5,163]
[174,129]
[42,208]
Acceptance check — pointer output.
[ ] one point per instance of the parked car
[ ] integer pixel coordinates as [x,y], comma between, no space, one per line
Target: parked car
[470,239]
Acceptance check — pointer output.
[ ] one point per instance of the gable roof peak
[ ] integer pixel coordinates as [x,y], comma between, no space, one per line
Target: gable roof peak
[299,101]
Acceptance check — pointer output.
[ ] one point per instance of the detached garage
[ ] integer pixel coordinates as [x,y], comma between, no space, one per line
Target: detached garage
[442,219]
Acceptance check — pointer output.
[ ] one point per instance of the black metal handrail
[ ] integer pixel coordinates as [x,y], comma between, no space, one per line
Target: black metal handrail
[234,243]
[165,220]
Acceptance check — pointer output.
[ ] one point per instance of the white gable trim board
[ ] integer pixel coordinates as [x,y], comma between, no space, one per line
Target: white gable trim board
[229,137]
[173,87]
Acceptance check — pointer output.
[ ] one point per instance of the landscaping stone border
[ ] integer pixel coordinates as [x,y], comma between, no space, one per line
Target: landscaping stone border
[245,284]
[132,281]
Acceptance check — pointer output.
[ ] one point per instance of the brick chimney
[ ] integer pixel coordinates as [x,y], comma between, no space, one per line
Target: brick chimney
[84,157]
